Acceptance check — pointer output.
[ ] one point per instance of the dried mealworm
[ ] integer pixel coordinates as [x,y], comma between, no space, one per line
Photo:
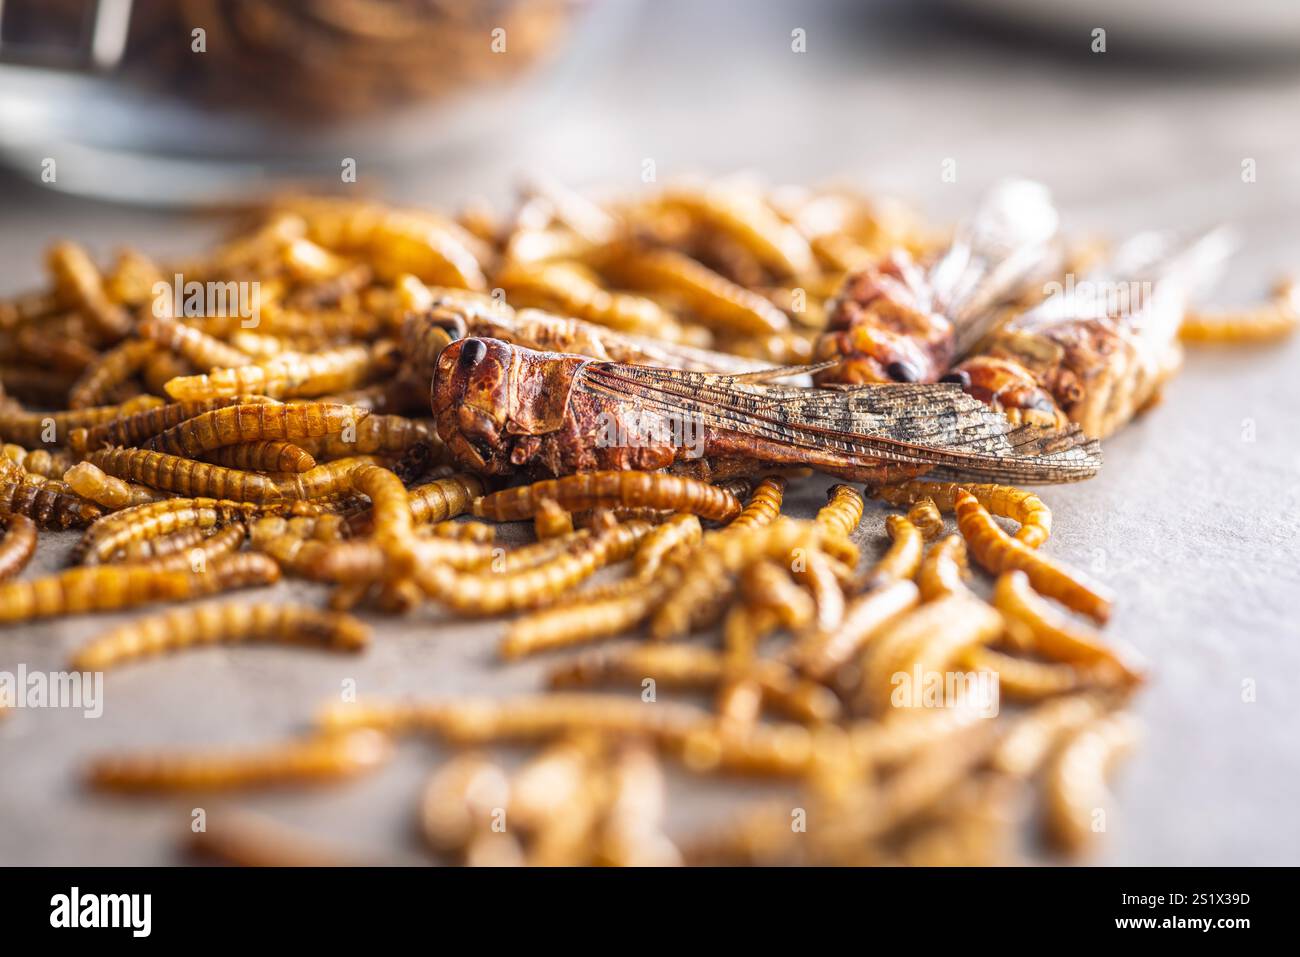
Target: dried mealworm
[394,533]
[373,434]
[34,429]
[928,638]
[1025,508]
[1273,320]
[49,502]
[229,623]
[716,301]
[196,557]
[587,621]
[319,758]
[1024,679]
[460,801]
[493,594]
[764,504]
[79,284]
[196,347]
[594,489]
[274,456]
[109,371]
[843,510]
[18,545]
[110,587]
[552,520]
[185,476]
[572,290]
[819,654]
[924,514]
[144,522]
[1032,736]
[944,569]
[479,532]
[91,482]
[999,553]
[768,585]
[284,376]
[254,422]
[149,548]
[1075,782]
[822,580]
[1054,635]
[129,430]
[903,558]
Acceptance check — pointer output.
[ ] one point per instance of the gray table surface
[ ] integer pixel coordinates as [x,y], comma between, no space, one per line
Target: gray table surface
[1193,521]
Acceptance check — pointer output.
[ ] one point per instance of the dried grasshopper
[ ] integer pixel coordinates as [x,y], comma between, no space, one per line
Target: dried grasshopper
[1099,353]
[501,409]
[894,322]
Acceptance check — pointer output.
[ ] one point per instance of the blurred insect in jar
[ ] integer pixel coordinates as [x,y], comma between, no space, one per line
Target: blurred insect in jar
[1097,352]
[501,408]
[897,322]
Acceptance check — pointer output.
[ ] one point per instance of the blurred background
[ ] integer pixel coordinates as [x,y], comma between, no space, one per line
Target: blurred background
[1180,114]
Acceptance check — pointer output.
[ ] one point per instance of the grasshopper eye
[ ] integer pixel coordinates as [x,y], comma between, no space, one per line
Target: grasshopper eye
[472,353]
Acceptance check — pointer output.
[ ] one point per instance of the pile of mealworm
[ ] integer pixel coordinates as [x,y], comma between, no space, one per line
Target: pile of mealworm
[199,453]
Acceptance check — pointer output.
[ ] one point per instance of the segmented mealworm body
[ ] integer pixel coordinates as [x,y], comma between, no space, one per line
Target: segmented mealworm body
[144,522]
[91,482]
[392,515]
[79,283]
[434,501]
[843,510]
[228,623]
[49,502]
[284,376]
[927,639]
[1075,782]
[150,548]
[1026,508]
[552,520]
[903,558]
[764,504]
[529,717]
[944,570]
[275,456]
[768,585]
[1054,635]
[493,594]
[255,422]
[197,556]
[924,514]
[107,372]
[374,434]
[1023,749]
[35,429]
[1272,320]
[593,489]
[18,545]
[332,478]
[998,552]
[130,430]
[321,757]
[819,654]
[1026,679]
[716,301]
[185,476]
[479,532]
[683,530]
[571,290]
[198,348]
[110,587]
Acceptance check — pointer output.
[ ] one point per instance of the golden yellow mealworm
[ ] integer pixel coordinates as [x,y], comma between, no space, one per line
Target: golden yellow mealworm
[150,548]
[1033,735]
[493,594]
[133,429]
[79,284]
[284,376]
[110,587]
[768,585]
[461,801]
[1054,635]
[748,220]
[903,557]
[944,569]
[373,434]
[229,623]
[1272,320]
[479,532]
[926,640]
[324,481]
[18,545]
[144,522]
[198,556]
[254,422]
[311,760]
[42,462]
[185,476]
[593,489]
[572,290]
[843,510]
[998,552]
[579,623]
[196,347]
[1025,679]
[394,533]
[551,519]
[924,514]
[1025,508]
[819,654]
[107,372]
[821,577]
[274,456]
[34,429]
[91,482]
[1075,782]
[434,501]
